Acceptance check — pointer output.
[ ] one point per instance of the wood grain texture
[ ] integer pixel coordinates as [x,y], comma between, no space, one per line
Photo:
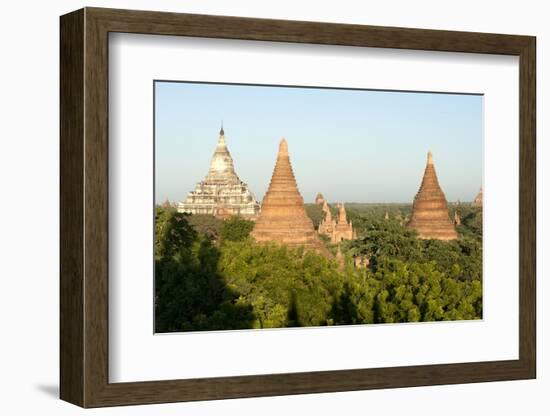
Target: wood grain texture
[96,208]
[71,208]
[84,207]
[162,23]
[527,208]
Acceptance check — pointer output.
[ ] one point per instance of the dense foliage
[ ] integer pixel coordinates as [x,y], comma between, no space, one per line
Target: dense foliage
[210,275]
[206,225]
[388,239]
[236,229]
[471,221]
[190,293]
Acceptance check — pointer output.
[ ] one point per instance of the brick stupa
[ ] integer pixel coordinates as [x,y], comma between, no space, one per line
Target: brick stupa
[430,213]
[283,218]
[478,200]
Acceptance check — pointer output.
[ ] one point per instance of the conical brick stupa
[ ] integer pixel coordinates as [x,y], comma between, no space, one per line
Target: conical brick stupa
[283,218]
[430,213]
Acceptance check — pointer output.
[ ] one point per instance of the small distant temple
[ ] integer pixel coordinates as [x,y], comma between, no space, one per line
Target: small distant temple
[319,199]
[221,193]
[478,200]
[430,212]
[283,218]
[167,204]
[337,230]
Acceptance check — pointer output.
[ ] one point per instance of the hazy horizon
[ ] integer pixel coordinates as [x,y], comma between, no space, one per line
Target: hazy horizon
[354,146]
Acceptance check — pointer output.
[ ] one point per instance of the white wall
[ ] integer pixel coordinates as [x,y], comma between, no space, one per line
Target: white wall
[29,213]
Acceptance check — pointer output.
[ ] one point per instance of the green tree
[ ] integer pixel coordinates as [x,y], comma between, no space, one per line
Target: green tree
[172,233]
[412,292]
[236,229]
[190,294]
[286,287]
[206,225]
[315,213]
[389,240]
[471,222]
[235,283]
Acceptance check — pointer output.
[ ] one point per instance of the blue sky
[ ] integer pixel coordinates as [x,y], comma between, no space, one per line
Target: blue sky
[351,145]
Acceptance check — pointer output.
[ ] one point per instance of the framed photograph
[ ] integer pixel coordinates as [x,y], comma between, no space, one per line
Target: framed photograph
[254,207]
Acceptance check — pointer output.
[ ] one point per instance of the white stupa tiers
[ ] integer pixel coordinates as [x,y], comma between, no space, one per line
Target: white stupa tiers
[221,193]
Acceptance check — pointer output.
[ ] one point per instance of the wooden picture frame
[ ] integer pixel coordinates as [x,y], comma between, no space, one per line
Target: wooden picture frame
[84,207]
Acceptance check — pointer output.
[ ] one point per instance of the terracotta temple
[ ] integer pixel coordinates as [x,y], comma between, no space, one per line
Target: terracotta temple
[337,230]
[221,193]
[478,200]
[430,212]
[283,218]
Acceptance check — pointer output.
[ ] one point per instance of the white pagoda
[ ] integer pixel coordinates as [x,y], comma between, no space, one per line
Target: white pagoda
[221,193]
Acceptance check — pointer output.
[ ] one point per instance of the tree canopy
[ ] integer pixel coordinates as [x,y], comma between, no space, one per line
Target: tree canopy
[231,282]
[236,229]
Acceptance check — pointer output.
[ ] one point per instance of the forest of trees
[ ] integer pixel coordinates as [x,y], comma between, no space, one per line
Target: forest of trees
[210,274]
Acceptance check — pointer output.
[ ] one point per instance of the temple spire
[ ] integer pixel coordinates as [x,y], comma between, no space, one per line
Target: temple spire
[221,165]
[342,217]
[326,210]
[222,133]
[283,147]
